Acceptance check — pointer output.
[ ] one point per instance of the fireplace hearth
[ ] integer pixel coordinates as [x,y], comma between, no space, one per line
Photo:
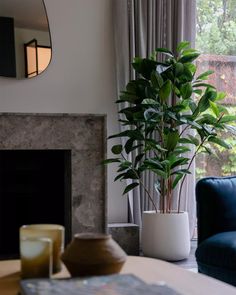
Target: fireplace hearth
[50,172]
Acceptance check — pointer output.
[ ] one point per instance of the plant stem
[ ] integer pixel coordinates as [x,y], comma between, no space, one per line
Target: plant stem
[142,184]
[185,128]
[182,182]
[191,161]
[149,196]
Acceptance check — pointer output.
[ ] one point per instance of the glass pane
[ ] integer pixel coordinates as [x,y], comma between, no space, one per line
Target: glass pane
[31,60]
[44,57]
[216,38]
[31,53]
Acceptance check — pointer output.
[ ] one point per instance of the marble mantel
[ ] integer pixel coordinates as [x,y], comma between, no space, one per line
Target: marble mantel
[85,136]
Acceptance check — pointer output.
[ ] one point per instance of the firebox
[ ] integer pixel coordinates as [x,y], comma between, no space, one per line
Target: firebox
[35,187]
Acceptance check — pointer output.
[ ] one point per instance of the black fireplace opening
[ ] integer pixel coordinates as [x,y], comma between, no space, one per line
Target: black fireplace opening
[35,187]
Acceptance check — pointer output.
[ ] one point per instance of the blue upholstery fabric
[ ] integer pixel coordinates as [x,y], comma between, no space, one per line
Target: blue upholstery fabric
[216,213]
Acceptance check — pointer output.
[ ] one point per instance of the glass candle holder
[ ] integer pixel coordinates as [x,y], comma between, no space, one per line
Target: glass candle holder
[54,232]
[36,257]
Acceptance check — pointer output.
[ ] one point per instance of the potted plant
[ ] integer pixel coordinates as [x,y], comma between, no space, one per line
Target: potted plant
[162,135]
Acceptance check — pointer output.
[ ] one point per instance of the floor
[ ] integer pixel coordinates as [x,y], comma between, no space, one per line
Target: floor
[190,262]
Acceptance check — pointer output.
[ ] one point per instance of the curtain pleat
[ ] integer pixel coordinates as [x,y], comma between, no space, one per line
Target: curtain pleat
[140,26]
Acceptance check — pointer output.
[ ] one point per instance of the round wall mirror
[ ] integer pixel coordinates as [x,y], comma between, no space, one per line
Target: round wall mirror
[25,42]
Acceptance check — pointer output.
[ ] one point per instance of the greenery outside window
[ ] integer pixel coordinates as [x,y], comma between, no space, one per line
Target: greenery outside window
[216,39]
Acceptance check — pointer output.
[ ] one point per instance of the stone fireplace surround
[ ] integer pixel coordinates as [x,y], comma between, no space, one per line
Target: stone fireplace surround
[85,136]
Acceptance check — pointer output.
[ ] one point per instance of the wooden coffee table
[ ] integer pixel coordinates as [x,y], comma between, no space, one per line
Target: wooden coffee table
[148,269]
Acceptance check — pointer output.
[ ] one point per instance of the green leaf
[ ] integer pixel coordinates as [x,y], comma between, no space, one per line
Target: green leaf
[187,75]
[108,161]
[165,51]
[153,164]
[128,97]
[135,134]
[205,75]
[204,102]
[130,187]
[226,119]
[124,165]
[131,174]
[198,91]
[129,145]
[171,140]
[136,146]
[182,45]
[184,171]
[156,79]
[138,158]
[165,90]
[207,119]
[152,115]
[186,90]
[189,57]
[117,149]
[179,68]
[219,142]
[185,140]
[190,50]
[203,85]
[150,101]
[193,139]
[194,124]
[191,67]
[179,161]
[223,109]
[121,134]
[192,106]
[220,96]
[144,66]
[159,173]
[119,176]
[182,149]
[214,108]
[177,179]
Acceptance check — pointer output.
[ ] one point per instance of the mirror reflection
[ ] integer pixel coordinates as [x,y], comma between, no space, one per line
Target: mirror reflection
[25,43]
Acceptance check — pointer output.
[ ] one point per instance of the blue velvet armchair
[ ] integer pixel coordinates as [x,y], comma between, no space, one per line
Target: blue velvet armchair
[216,214]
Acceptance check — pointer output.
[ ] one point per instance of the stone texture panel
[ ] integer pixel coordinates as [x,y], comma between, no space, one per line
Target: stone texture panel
[127,236]
[85,137]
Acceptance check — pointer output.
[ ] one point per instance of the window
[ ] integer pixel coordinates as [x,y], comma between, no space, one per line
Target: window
[37,58]
[216,39]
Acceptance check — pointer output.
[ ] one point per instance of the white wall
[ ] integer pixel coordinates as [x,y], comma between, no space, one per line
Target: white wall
[80,78]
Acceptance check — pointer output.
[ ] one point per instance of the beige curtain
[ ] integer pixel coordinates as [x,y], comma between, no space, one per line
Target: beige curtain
[140,26]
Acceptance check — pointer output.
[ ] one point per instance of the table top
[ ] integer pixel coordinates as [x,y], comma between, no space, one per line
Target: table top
[148,269]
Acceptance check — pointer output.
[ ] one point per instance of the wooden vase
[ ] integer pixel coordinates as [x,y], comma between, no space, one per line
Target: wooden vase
[93,254]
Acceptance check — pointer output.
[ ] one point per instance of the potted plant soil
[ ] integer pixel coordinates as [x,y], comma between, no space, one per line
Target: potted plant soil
[166,138]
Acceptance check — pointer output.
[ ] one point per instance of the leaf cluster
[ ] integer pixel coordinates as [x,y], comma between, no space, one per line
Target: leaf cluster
[160,131]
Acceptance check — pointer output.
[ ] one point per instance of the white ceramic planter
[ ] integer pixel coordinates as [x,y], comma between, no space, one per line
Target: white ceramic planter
[165,236]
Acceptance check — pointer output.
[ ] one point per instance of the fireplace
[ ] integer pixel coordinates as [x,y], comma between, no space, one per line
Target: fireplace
[50,172]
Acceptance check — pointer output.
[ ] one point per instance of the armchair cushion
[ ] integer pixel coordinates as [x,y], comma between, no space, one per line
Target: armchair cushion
[216,214]
[216,206]
[218,251]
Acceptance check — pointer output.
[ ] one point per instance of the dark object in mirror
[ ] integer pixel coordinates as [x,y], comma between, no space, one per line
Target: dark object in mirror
[20,23]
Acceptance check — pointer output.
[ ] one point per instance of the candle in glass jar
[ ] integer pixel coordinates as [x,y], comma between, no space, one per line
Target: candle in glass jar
[54,232]
[36,257]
